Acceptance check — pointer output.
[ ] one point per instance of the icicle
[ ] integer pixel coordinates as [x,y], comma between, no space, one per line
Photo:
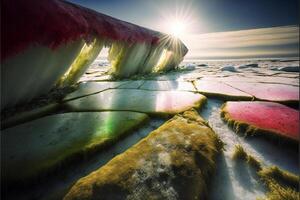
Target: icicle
[151,60]
[34,72]
[87,55]
[169,60]
[141,58]
[126,59]
[172,55]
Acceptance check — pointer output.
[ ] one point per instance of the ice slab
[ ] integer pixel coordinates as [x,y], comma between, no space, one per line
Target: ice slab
[87,88]
[168,85]
[270,92]
[267,117]
[275,79]
[254,79]
[28,115]
[153,102]
[33,148]
[221,90]
[132,84]
[176,161]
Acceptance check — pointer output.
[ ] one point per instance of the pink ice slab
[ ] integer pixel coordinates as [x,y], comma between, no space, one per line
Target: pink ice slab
[270,92]
[214,87]
[270,116]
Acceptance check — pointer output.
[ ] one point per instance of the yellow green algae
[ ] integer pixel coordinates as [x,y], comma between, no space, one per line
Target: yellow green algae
[126,59]
[240,154]
[273,173]
[48,143]
[281,184]
[161,103]
[176,161]
[87,55]
[277,192]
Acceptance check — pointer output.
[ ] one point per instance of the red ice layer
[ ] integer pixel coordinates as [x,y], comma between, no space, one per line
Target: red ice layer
[54,22]
[270,116]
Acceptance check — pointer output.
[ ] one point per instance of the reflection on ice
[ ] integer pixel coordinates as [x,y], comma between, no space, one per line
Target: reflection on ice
[153,102]
[168,86]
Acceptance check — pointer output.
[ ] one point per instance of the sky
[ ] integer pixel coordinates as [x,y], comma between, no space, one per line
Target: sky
[216,29]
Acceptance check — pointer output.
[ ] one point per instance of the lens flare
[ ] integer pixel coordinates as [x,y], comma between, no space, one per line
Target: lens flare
[177,28]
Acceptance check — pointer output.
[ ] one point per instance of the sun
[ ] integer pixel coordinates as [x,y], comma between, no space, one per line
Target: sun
[177,28]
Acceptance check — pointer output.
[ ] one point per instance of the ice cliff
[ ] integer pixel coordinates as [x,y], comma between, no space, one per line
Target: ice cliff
[51,43]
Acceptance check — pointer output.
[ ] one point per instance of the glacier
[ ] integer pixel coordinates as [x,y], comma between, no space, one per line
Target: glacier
[50,44]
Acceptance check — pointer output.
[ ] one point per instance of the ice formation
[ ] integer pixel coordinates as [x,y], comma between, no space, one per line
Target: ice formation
[47,44]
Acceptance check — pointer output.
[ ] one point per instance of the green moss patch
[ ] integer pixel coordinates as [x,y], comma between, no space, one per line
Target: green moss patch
[240,154]
[35,148]
[273,173]
[175,161]
[277,192]
[281,184]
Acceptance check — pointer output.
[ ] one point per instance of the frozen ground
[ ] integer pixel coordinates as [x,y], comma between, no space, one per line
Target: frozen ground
[232,180]
[235,180]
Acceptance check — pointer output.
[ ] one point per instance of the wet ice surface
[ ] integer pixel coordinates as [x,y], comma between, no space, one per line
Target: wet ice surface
[231,181]
[55,187]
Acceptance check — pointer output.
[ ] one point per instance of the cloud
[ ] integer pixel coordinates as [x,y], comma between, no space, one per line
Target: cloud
[275,41]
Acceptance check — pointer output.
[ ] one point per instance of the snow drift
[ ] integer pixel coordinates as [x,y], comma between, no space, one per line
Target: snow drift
[51,43]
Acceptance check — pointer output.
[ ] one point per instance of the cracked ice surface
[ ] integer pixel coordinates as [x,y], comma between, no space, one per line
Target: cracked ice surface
[152,102]
[47,142]
[232,181]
